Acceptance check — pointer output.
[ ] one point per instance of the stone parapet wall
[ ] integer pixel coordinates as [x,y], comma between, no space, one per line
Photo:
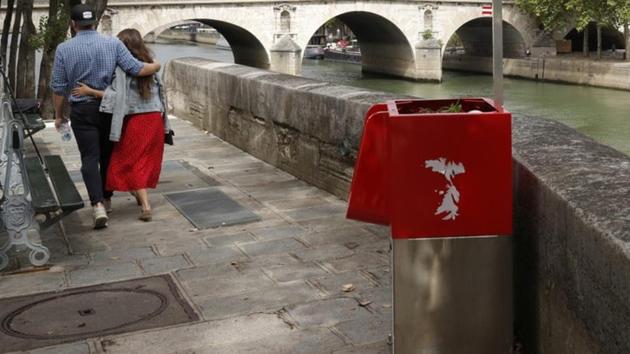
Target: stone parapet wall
[572,195]
[576,71]
[284,120]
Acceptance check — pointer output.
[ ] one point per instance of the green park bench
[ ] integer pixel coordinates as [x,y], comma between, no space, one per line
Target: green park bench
[36,192]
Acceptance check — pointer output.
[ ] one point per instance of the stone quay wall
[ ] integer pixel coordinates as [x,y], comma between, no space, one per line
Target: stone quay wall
[568,70]
[572,195]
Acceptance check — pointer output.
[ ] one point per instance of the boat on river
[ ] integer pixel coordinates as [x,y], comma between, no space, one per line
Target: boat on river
[343,55]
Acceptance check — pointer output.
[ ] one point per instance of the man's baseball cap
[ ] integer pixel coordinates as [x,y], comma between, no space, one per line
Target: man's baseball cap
[83,15]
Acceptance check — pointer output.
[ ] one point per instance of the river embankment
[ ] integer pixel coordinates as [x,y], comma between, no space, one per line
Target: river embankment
[607,74]
[571,194]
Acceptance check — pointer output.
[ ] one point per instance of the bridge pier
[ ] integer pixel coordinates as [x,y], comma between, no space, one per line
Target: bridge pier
[429,60]
[150,37]
[286,56]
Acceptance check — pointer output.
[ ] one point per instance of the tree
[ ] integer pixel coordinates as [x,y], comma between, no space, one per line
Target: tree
[557,13]
[623,14]
[551,13]
[52,31]
[25,81]
[15,36]
[5,32]
[99,6]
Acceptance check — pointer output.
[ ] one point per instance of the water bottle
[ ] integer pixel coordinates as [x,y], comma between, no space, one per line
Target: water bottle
[65,131]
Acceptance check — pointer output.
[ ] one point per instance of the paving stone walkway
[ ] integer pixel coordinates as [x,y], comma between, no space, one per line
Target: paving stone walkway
[271,286]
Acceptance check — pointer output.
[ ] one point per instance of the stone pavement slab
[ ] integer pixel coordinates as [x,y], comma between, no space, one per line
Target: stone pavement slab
[267,286]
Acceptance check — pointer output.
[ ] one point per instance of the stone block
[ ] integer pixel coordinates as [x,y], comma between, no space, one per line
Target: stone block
[72,348]
[270,300]
[160,265]
[31,283]
[271,247]
[315,212]
[300,203]
[125,254]
[175,247]
[269,261]
[350,237]
[228,285]
[363,332]
[325,252]
[328,313]
[333,284]
[181,339]
[229,239]
[380,299]
[381,347]
[326,224]
[301,271]
[206,271]
[382,275]
[309,341]
[216,255]
[357,261]
[100,274]
[278,232]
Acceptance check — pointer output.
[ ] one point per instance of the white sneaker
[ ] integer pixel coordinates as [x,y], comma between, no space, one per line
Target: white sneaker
[100,217]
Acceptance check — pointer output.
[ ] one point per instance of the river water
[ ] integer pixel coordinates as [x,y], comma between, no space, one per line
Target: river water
[602,114]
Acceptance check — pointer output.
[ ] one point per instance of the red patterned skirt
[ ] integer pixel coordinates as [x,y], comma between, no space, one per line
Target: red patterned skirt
[136,160]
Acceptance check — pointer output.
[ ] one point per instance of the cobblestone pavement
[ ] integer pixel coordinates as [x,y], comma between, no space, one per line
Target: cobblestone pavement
[269,286]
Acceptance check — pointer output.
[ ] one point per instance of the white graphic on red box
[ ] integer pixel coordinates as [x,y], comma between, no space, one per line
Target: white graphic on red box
[451,196]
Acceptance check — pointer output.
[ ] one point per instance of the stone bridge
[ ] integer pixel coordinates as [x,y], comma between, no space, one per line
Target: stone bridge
[272,35]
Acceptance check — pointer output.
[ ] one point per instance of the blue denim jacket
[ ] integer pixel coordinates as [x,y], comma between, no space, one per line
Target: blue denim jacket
[122,98]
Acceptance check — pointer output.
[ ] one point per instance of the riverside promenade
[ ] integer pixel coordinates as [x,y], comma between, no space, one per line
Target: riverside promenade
[301,279]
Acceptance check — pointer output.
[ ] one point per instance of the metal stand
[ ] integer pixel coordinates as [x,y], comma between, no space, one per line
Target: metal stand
[497,51]
[18,217]
[453,295]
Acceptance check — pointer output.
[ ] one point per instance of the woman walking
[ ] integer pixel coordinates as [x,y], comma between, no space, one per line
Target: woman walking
[138,126]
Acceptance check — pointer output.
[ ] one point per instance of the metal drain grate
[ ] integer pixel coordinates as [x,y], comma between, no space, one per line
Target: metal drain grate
[179,175]
[209,207]
[41,320]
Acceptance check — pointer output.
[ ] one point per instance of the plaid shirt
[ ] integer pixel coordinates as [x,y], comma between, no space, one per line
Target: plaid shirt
[90,58]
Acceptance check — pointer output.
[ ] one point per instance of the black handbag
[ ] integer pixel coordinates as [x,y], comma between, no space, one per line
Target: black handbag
[168,137]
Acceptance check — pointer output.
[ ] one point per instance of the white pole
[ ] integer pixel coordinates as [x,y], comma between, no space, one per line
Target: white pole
[497,51]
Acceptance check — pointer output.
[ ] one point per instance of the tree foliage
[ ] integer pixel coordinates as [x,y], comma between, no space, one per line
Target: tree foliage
[53,29]
[550,13]
[553,14]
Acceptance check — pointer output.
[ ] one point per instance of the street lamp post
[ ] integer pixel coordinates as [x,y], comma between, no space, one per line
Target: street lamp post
[497,51]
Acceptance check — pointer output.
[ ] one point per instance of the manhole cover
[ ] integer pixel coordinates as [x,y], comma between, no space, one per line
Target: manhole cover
[46,319]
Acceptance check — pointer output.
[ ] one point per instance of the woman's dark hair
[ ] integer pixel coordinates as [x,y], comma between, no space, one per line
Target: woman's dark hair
[132,39]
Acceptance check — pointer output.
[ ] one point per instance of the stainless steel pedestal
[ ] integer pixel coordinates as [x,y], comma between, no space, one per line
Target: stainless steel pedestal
[453,295]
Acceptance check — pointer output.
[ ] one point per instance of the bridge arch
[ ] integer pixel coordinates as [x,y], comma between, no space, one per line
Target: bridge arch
[476,37]
[246,47]
[611,37]
[384,46]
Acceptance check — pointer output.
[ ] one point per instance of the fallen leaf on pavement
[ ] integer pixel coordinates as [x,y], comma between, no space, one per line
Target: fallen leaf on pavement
[348,288]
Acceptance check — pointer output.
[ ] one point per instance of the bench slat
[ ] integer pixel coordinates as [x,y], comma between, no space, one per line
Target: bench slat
[67,193]
[43,198]
[34,123]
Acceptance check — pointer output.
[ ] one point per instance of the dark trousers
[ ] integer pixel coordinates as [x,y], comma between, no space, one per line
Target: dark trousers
[91,129]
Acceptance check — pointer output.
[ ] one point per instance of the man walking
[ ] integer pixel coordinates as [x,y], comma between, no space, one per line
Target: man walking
[91,58]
